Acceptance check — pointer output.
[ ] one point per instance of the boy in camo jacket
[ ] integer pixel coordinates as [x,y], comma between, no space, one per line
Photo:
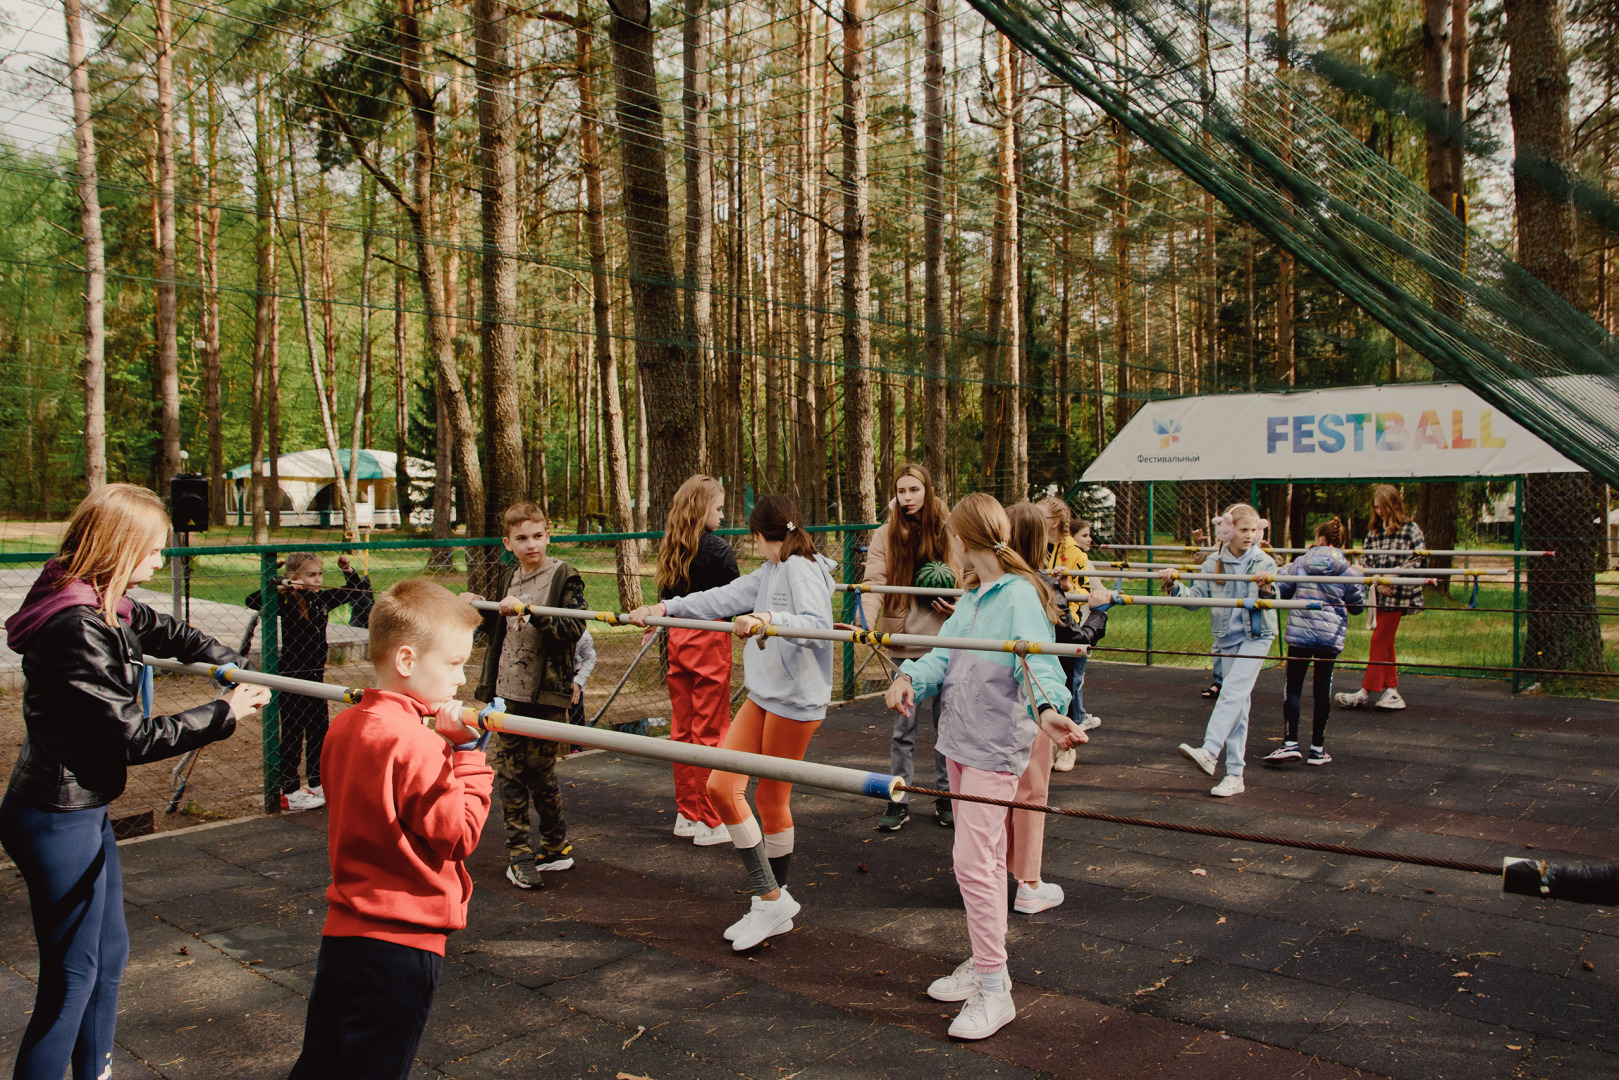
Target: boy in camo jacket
[529,662]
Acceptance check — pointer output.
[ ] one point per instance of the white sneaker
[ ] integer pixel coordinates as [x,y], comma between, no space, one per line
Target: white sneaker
[1391,699]
[1044,895]
[1065,760]
[1352,701]
[1231,785]
[960,984]
[301,800]
[1199,757]
[685,826]
[767,919]
[319,792]
[704,836]
[984,1014]
[1091,721]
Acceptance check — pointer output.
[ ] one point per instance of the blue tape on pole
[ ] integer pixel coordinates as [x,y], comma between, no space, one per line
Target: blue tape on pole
[222,674]
[880,785]
[1248,602]
[497,705]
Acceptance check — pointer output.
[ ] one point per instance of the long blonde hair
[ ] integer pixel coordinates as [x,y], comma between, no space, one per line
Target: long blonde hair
[108,536]
[685,530]
[1396,504]
[982,524]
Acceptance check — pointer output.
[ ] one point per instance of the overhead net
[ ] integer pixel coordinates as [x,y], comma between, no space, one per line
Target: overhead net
[1167,72]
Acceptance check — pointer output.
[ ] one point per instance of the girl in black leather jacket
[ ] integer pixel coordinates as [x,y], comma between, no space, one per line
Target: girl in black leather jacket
[81,641]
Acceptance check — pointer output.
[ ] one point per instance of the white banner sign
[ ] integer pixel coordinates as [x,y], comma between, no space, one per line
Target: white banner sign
[1412,429]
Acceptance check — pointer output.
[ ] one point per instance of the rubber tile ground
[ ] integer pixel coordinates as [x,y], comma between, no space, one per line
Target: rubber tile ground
[1174,955]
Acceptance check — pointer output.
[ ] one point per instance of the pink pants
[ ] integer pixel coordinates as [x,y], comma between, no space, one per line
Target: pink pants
[1026,830]
[980,857]
[700,710]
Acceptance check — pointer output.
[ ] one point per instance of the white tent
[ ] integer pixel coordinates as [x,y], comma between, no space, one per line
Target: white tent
[1382,432]
[309,498]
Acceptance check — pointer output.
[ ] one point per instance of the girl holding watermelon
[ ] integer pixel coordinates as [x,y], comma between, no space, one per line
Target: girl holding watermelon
[911,548]
[995,704]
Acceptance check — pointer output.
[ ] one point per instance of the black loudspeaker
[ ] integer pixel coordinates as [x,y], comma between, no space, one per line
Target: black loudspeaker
[188,502]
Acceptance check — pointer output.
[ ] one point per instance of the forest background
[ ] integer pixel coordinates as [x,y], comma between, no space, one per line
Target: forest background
[579,254]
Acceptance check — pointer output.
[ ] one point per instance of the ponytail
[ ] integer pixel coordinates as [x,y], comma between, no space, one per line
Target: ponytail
[982,525]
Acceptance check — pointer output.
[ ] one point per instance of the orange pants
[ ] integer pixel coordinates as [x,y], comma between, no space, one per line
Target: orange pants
[758,732]
[1026,830]
[1381,672]
[700,710]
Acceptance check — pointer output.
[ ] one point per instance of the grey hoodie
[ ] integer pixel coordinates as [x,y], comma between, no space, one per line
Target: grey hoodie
[788,677]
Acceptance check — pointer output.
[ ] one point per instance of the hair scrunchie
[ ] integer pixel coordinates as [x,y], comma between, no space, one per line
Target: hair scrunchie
[791,526]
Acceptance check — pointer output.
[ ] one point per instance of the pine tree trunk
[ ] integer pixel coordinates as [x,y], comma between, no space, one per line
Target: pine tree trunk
[93,370]
[933,339]
[168,343]
[317,372]
[497,147]
[699,271]
[264,286]
[612,415]
[1561,509]
[212,365]
[402,369]
[662,351]
[362,381]
[1123,299]
[857,403]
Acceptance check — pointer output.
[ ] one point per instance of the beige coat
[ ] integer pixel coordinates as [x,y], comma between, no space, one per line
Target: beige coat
[916,619]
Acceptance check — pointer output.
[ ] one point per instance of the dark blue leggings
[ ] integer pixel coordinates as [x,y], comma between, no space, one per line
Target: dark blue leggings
[76,895]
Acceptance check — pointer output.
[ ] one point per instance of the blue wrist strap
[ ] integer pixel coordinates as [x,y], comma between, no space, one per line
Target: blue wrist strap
[222,673]
[496,705]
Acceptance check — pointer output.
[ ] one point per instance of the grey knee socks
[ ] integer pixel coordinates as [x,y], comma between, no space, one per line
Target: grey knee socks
[759,875]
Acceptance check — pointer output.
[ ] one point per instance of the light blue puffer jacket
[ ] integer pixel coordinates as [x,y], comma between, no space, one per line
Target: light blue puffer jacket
[1324,629]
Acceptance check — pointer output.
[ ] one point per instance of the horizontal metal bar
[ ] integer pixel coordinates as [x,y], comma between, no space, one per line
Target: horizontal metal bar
[855,637]
[813,774]
[1349,551]
[1080,598]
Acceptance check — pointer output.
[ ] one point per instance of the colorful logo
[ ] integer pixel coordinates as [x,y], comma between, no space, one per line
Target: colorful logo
[1168,431]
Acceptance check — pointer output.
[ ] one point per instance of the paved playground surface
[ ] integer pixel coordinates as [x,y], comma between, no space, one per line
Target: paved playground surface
[1174,955]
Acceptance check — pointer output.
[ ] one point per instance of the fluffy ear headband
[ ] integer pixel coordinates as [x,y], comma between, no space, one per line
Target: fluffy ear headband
[1225,528]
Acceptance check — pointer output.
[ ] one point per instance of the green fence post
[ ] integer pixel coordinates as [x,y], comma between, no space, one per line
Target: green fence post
[270,664]
[850,599]
[1517,584]
[1150,554]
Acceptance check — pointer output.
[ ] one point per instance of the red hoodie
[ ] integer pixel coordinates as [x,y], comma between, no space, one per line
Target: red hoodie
[405,810]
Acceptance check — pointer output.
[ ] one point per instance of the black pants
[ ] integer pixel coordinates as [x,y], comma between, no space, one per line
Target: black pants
[1298,659]
[367,1010]
[303,728]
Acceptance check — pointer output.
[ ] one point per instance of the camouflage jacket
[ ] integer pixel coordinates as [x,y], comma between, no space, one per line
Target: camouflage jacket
[553,676]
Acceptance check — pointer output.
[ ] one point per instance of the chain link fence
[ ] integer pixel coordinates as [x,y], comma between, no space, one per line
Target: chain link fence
[1493,629]
[210,586]
[1550,622]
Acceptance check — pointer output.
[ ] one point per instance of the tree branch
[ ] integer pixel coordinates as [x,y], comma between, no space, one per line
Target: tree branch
[365,159]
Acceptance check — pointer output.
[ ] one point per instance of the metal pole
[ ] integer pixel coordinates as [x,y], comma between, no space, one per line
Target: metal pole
[270,663]
[1517,584]
[827,777]
[1150,520]
[850,601]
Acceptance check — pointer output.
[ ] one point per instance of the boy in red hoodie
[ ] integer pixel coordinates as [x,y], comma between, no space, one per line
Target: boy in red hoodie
[407,803]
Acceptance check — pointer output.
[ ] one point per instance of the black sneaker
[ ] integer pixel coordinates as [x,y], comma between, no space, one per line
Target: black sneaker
[555,860]
[894,817]
[1318,757]
[523,875]
[944,812]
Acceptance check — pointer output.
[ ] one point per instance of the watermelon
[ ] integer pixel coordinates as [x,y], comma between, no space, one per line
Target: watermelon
[934,575]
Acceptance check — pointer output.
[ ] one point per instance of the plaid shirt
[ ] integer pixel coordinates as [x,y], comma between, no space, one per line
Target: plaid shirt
[1408,537]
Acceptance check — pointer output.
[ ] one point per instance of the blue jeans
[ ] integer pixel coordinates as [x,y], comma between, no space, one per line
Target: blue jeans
[69,861]
[1076,687]
[902,749]
[1228,724]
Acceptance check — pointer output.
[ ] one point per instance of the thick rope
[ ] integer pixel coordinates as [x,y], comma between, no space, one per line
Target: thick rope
[1201,830]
